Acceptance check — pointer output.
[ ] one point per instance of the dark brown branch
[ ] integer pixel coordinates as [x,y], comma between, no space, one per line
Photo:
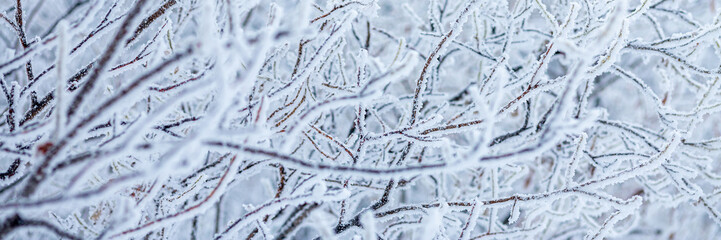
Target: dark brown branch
[12,170]
[150,19]
[105,59]
[15,221]
[297,222]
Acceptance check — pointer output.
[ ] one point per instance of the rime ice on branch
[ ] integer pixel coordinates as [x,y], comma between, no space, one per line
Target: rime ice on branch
[360,119]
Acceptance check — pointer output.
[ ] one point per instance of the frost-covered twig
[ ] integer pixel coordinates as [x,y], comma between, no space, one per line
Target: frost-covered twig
[367,119]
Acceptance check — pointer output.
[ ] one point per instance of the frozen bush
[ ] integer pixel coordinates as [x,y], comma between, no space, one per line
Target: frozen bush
[360,119]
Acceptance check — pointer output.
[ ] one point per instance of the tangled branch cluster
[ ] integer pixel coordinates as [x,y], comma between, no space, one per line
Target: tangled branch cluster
[363,119]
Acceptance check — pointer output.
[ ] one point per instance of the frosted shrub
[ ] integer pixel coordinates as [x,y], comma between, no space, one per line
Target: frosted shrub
[360,119]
